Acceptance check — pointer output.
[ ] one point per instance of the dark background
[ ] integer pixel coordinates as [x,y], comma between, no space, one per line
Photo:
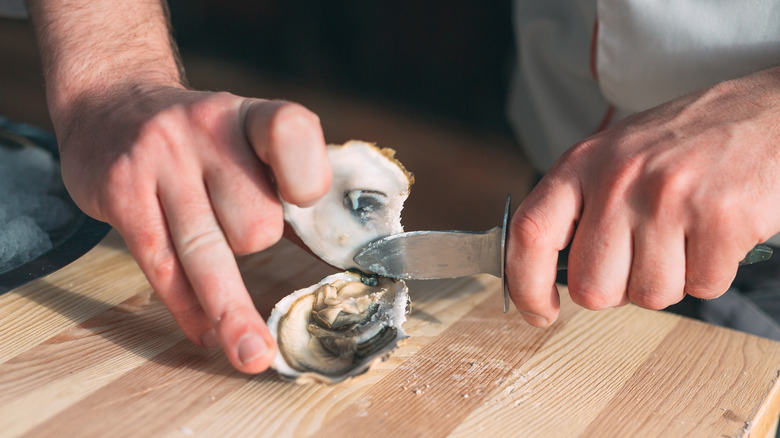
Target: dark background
[427,78]
[449,57]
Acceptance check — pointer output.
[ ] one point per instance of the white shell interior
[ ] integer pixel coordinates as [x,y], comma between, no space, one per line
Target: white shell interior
[363,204]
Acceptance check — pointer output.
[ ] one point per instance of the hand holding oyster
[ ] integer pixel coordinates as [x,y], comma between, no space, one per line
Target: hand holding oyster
[339,327]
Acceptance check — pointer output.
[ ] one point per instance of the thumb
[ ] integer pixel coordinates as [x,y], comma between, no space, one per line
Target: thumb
[288,138]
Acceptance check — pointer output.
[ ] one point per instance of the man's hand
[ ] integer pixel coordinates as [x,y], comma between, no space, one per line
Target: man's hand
[183,176]
[188,178]
[663,204]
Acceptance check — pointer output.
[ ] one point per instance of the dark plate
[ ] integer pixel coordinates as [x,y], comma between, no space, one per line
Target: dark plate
[81,234]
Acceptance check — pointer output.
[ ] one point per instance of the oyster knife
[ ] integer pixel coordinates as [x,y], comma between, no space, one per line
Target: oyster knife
[427,255]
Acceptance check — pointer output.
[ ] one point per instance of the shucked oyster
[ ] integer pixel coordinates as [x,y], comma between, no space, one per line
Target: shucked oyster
[339,327]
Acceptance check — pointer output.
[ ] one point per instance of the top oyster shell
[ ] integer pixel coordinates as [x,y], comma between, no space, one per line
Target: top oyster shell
[363,204]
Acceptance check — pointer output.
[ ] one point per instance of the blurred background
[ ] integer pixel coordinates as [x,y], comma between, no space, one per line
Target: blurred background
[428,79]
[449,57]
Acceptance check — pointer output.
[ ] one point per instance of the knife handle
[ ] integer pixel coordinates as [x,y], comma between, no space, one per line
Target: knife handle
[759,253]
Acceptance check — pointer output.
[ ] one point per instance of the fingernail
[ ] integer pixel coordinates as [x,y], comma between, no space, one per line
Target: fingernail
[210,339]
[535,320]
[251,347]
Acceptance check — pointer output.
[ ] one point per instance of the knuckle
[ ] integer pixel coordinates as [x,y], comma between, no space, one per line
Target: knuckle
[581,150]
[591,297]
[103,199]
[185,312]
[720,89]
[706,285]
[290,112]
[163,266]
[704,289]
[263,233]
[719,210]
[161,136]
[710,270]
[200,241]
[668,187]
[703,292]
[649,298]
[623,175]
[209,114]
[722,215]
[527,230]
[159,129]
[233,321]
[119,172]
[156,258]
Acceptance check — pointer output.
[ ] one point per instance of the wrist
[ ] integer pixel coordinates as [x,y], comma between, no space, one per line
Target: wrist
[69,95]
[96,49]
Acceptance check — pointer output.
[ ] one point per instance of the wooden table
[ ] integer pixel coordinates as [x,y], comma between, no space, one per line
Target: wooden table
[90,351]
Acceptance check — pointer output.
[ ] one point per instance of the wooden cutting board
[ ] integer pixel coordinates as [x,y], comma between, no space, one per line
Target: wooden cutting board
[89,351]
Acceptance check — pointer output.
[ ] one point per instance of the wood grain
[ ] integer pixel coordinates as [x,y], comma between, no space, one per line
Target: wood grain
[102,357]
[662,387]
[543,390]
[54,303]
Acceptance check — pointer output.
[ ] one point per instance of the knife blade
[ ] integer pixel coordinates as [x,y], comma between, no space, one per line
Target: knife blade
[426,255]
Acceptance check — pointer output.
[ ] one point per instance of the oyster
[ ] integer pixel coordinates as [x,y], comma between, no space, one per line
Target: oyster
[363,204]
[339,327]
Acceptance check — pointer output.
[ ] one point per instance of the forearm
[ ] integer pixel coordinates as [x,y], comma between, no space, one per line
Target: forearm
[100,46]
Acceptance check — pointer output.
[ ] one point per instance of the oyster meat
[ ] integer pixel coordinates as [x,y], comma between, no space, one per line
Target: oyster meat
[340,326]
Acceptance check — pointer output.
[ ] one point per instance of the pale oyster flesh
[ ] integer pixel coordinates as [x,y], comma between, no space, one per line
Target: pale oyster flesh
[363,204]
[337,328]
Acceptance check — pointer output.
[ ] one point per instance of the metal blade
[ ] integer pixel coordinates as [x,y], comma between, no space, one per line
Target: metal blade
[425,255]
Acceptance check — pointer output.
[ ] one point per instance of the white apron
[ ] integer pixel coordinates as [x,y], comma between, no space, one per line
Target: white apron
[583,64]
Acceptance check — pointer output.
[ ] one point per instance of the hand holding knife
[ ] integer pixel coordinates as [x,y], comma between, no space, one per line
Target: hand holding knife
[427,255]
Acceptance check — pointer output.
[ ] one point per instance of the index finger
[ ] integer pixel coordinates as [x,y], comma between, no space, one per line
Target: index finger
[540,228]
[213,273]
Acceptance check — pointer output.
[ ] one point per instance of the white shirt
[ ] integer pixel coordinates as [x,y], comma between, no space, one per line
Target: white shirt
[579,58]
[645,52]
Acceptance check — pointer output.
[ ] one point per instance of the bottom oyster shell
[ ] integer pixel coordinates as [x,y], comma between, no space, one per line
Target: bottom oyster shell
[338,328]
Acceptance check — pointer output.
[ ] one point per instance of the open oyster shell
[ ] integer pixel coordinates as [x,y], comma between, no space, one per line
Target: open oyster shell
[363,204]
[339,327]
